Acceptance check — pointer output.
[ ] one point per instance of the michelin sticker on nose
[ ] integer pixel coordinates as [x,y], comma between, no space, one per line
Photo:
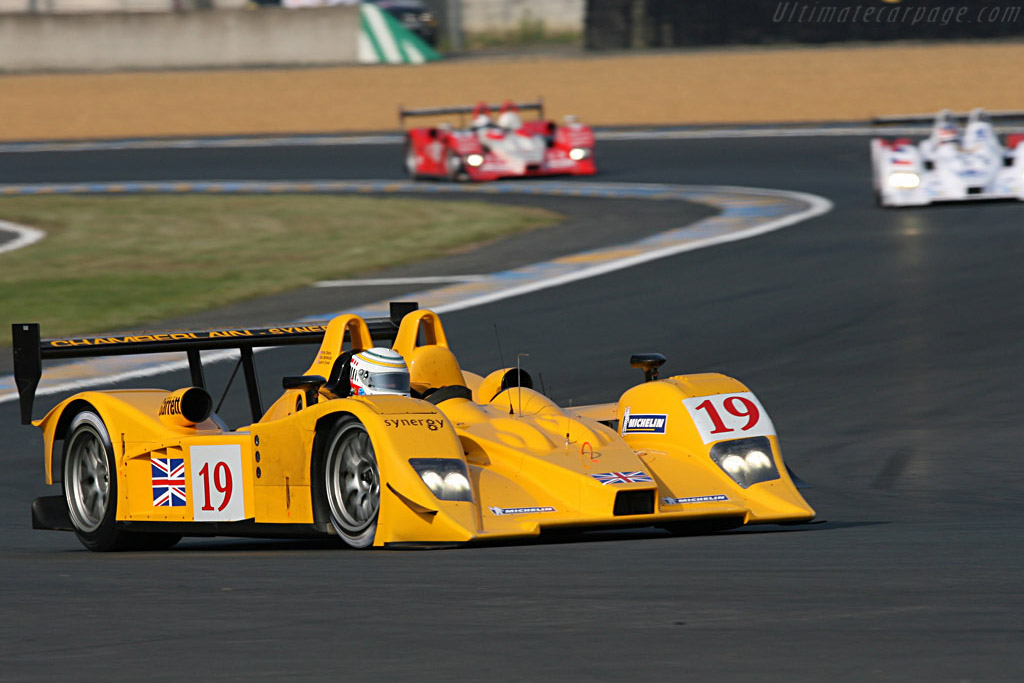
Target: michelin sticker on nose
[651,423]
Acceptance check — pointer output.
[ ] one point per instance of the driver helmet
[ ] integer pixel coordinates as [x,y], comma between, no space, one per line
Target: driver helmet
[482,120]
[378,371]
[946,128]
[509,120]
[949,133]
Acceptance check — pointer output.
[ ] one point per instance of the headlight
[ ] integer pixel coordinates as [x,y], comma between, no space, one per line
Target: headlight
[474,159]
[447,479]
[905,181]
[746,461]
[578,153]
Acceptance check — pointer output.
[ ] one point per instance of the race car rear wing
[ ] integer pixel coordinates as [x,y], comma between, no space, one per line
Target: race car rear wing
[1008,115]
[403,113]
[30,350]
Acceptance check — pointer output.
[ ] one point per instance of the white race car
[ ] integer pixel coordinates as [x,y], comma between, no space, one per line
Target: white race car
[948,165]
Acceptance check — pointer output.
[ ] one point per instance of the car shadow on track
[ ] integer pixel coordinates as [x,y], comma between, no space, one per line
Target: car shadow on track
[221,545]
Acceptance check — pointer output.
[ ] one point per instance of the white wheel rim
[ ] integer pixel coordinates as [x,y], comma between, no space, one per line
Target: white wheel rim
[87,480]
[353,482]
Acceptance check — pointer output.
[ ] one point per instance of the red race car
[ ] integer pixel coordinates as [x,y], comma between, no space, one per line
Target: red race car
[505,147]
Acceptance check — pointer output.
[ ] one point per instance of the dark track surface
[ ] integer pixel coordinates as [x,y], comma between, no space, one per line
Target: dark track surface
[885,344]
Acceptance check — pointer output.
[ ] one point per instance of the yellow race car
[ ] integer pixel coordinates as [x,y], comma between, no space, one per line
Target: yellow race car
[464,458]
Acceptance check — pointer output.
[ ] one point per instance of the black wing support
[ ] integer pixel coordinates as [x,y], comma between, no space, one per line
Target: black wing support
[30,350]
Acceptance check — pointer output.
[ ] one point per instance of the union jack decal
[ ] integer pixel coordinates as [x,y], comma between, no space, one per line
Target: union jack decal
[168,482]
[623,478]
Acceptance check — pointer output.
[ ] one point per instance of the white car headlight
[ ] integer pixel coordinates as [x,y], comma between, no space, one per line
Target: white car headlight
[746,461]
[433,481]
[757,460]
[735,467]
[456,484]
[446,478]
[578,153]
[904,181]
[475,159]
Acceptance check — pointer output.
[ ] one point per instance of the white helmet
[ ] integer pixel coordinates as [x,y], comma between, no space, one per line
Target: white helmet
[509,120]
[378,371]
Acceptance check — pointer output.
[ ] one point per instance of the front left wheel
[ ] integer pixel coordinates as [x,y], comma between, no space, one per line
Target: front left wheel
[351,479]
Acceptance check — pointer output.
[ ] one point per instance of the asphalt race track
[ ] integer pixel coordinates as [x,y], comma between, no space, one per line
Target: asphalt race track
[886,344]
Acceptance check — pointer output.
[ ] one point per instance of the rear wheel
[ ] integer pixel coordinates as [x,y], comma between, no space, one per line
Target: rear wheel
[411,165]
[352,482]
[90,488]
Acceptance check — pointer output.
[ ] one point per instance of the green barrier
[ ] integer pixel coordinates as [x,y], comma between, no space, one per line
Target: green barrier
[383,40]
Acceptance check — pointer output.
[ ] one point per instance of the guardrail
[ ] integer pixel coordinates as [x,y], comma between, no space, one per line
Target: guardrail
[618,24]
[208,39]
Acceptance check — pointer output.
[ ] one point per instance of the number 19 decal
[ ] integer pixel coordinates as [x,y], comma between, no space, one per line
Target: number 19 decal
[217,491]
[729,416]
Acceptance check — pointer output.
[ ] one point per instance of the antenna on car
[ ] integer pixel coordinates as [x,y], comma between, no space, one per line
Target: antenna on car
[542,389]
[567,428]
[519,381]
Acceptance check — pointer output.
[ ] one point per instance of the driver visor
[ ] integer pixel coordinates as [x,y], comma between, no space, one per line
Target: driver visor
[390,381]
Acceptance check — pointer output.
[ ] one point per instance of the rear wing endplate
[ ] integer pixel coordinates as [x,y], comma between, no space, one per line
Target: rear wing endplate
[30,350]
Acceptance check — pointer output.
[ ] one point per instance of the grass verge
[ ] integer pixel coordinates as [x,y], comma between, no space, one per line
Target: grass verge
[110,263]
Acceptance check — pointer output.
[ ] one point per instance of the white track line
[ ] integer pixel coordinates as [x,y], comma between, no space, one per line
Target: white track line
[817,206]
[25,236]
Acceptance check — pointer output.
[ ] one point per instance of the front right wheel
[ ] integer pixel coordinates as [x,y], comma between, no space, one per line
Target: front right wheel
[453,165]
[352,482]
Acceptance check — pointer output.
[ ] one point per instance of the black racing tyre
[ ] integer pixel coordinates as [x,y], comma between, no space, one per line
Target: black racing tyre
[452,165]
[410,160]
[90,483]
[90,489]
[350,478]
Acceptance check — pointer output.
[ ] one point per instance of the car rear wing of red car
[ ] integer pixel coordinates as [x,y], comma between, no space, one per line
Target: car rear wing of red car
[537,106]
[30,350]
[1009,115]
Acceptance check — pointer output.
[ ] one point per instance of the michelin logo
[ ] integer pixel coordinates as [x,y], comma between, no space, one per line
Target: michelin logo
[500,512]
[643,424]
[695,499]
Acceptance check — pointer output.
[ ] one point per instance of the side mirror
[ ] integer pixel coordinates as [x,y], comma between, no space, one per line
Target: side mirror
[649,363]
